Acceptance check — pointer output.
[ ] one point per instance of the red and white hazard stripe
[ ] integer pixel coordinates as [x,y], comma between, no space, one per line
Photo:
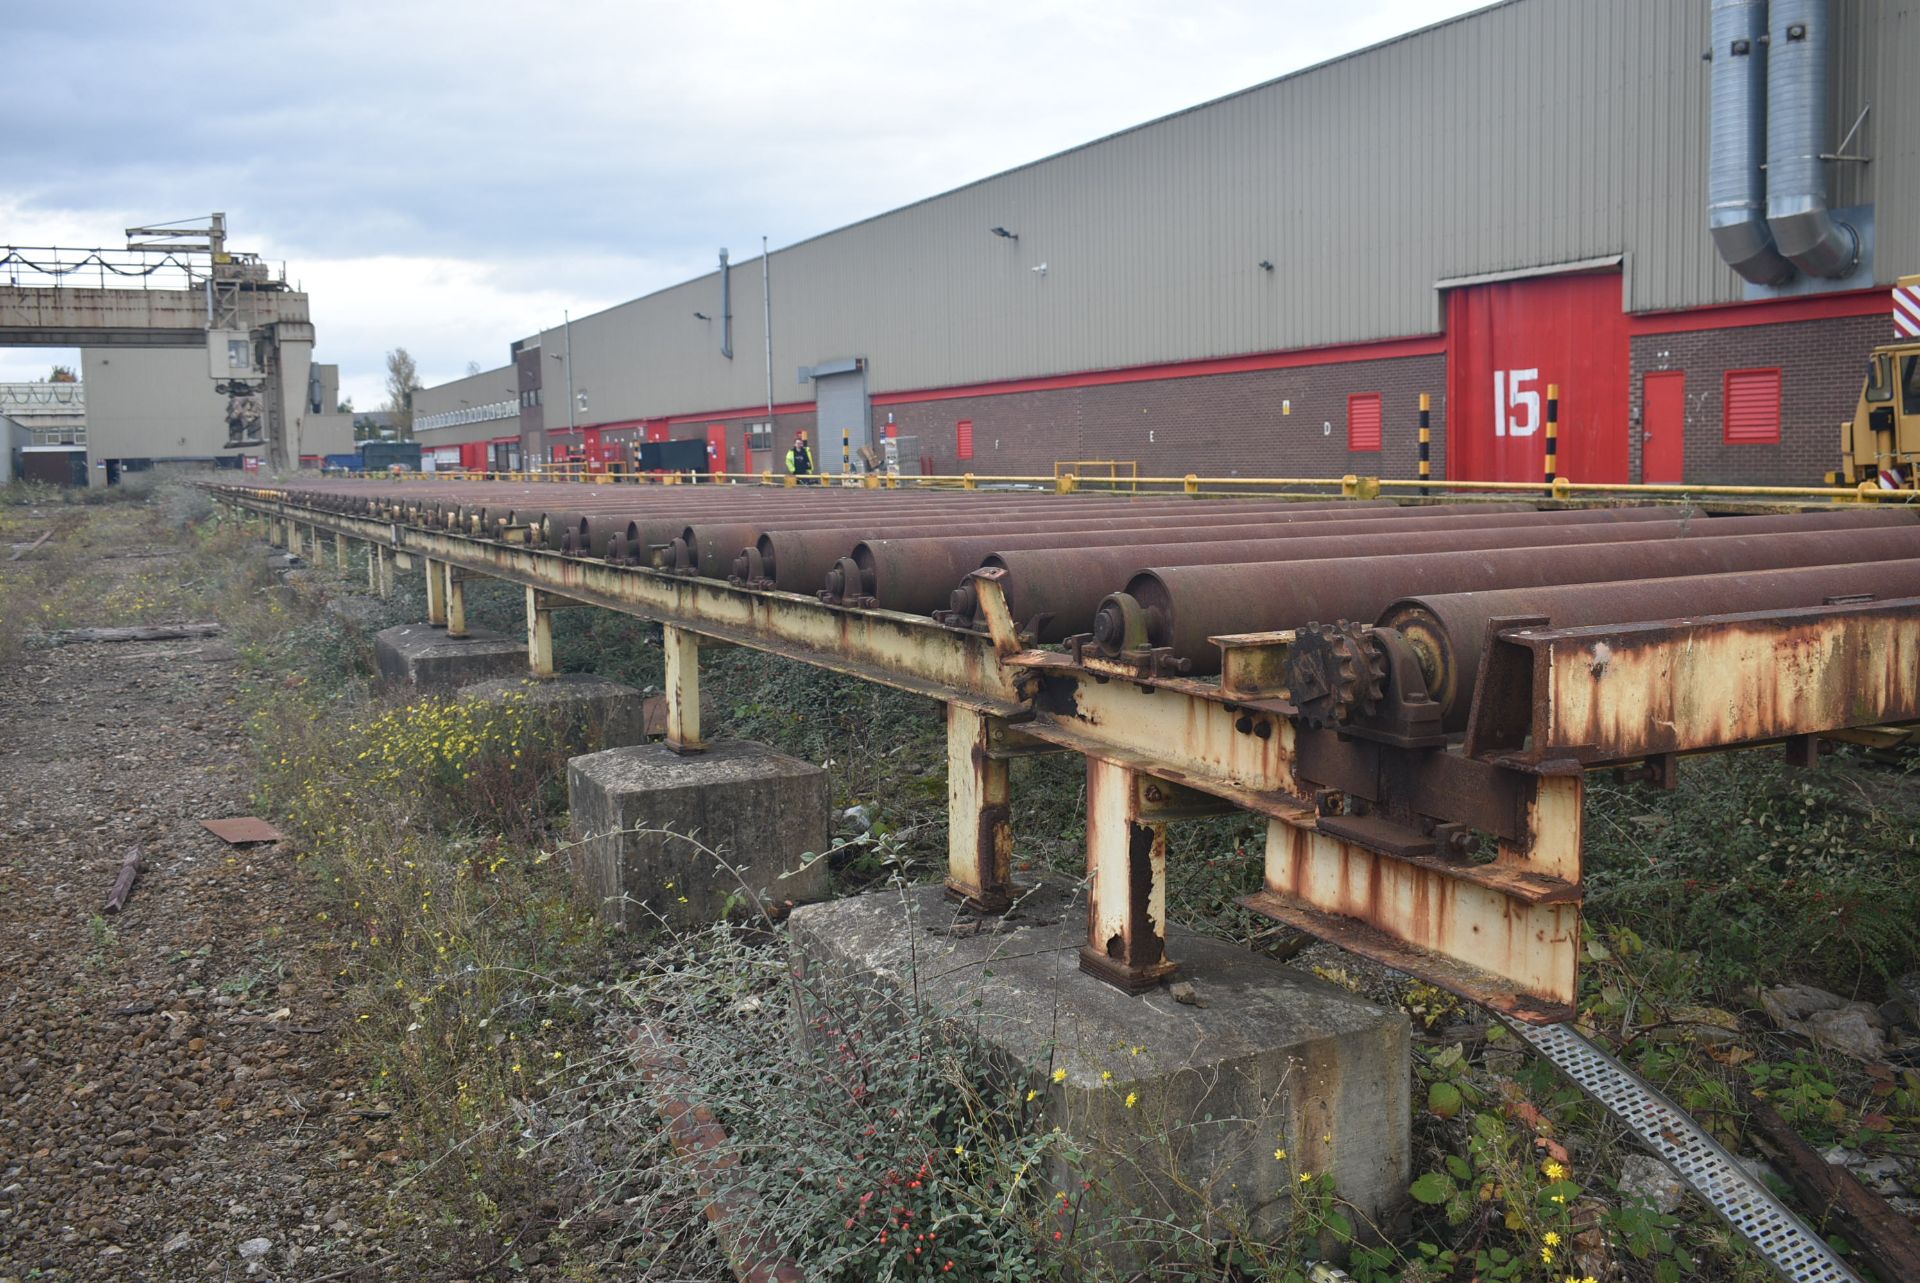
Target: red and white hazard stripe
[1906,311]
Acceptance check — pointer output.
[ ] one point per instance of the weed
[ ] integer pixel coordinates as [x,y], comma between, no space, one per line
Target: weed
[1765,874]
[104,939]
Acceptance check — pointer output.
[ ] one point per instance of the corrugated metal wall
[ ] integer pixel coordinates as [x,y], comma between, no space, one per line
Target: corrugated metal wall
[484,388]
[1532,133]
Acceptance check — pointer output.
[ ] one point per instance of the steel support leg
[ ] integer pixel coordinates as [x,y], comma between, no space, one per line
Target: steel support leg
[313,544]
[436,592]
[1127,876]
[683,689]
[456,601]
[293,538]
[979,831]
[380,567]
[340,555]
[539,633]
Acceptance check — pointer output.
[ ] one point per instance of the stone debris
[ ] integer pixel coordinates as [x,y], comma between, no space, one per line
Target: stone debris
[1855,1029]
[1652,1181]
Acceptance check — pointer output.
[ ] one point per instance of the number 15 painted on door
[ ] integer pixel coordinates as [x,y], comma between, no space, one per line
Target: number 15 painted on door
[1510,394]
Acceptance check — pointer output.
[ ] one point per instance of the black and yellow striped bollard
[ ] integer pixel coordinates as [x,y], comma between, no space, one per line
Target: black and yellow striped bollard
[1553,434]
[1426,441]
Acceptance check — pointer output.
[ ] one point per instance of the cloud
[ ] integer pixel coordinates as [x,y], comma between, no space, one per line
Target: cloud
[448,176]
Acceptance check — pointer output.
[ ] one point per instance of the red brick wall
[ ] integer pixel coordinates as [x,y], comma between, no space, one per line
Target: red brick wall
[1230,425]
[1219,425]
[1821,364]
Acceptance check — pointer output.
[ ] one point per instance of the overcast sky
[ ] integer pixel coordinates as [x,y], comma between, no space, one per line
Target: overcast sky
[448,176]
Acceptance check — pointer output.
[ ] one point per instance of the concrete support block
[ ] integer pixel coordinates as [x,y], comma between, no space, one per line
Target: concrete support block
[423,656]
[1266,1059]
[753,815]
[590,712]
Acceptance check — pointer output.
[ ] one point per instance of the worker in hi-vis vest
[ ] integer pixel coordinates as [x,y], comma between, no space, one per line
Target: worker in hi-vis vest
[800,459]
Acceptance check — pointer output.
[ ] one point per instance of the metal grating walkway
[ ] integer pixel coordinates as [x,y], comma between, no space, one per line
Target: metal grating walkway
[1666,1129]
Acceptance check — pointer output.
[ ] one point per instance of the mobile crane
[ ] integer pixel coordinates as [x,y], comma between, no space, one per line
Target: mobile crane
[1881,445]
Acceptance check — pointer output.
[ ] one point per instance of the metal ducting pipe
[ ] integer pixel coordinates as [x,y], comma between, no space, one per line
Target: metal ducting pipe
[1736,185]
[1803,228]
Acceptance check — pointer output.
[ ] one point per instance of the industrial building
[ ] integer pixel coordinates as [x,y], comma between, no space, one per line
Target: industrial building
[150,407]
[1601,197]
[193,353]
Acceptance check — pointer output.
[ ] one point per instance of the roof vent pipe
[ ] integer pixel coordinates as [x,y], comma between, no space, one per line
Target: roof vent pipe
[1736,186]
[1796,135]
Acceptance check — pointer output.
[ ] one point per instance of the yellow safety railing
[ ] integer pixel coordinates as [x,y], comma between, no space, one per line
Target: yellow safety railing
[1351,486]
[1118,472]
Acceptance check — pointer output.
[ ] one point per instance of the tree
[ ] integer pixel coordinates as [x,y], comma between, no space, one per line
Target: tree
[345,406]
[403,380]
[63,374]
[473,368]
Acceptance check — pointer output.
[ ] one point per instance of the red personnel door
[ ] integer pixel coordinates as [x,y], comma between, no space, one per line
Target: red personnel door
[1663,427]
[717,448]
[1507,342]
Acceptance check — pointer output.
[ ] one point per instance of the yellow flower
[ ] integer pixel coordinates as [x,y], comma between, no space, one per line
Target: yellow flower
[1059,1075]
[1032,1095]
[961,1150]
[1550,1238]
[1133,1098]
[1546,1256]
[1305,1177]
[1279,1155]
[1554,1170]
[1106,1075]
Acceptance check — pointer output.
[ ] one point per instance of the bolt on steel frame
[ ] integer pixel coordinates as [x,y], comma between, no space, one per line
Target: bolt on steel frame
[1368,835]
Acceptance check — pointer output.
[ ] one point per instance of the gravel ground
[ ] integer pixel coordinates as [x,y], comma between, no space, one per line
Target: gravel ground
[171,1104]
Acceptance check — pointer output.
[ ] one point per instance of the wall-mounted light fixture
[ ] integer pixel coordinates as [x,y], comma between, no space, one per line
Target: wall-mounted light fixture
[701,316]
[1004,233]
[1266,265]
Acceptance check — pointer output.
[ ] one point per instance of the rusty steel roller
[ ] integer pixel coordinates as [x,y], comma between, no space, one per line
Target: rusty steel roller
[711,548]
[1054,594]
[917,575]
[798,560]
[719,549]
[1447,631]
[1173,610]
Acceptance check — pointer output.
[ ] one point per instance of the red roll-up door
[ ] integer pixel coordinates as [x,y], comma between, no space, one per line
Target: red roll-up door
[1506,343]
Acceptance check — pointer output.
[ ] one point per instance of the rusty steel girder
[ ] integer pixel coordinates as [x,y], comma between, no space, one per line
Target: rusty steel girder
[1447,632]
[1569,698]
